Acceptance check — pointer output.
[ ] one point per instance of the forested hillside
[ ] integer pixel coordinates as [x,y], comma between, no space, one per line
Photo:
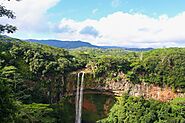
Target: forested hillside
[137,110]
[31,73]
[159,66]
[79,44]
[33,81]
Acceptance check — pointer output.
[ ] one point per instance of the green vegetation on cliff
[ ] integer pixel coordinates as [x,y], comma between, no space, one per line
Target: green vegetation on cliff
[160,66]
[138,110]
[33,79]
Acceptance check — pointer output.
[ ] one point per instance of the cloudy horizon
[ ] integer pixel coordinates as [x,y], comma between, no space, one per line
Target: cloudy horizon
[107,22]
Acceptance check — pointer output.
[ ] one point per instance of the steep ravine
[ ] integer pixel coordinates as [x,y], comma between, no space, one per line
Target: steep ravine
[118,88]
[100,93]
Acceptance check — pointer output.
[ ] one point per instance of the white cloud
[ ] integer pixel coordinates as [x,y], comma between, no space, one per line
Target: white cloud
[134,30]
[119,29]
[94,11]
[30,14]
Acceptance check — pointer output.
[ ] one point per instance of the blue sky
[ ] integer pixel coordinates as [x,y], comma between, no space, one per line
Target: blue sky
[82,9]
[130,23]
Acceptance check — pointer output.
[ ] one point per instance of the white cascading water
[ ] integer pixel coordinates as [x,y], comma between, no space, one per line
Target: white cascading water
[79,97]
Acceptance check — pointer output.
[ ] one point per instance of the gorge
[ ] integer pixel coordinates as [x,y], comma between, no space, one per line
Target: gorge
[45,84]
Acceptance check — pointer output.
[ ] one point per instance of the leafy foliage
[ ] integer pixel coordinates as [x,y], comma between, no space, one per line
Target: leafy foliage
[41,68]
[7,13]
[161,66]
[35,113]
[8,106]
[137,110]
[31,73]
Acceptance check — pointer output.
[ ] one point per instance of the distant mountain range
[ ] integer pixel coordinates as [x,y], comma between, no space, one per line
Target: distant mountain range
[78,44]
[64,44]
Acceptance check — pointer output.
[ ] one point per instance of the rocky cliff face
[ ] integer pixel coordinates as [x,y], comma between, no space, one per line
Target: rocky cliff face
[121,86]
[100,93]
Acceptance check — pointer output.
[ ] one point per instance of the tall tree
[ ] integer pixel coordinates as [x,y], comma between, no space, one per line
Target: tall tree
[10,14]
[7,102]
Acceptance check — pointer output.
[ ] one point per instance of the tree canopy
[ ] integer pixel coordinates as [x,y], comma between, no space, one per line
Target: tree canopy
[9,14]
[33,80]
[138,110]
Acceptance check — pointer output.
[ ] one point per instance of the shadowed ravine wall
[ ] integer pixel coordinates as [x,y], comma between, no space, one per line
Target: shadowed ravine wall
[100,94]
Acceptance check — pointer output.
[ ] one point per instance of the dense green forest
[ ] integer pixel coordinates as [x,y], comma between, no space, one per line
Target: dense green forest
[32,81]
[159,66]
[137,110]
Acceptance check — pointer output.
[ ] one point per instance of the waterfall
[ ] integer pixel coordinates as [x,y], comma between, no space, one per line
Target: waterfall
[79,97]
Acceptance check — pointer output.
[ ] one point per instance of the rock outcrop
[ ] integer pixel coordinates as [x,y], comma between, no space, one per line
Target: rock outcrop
[117,88]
